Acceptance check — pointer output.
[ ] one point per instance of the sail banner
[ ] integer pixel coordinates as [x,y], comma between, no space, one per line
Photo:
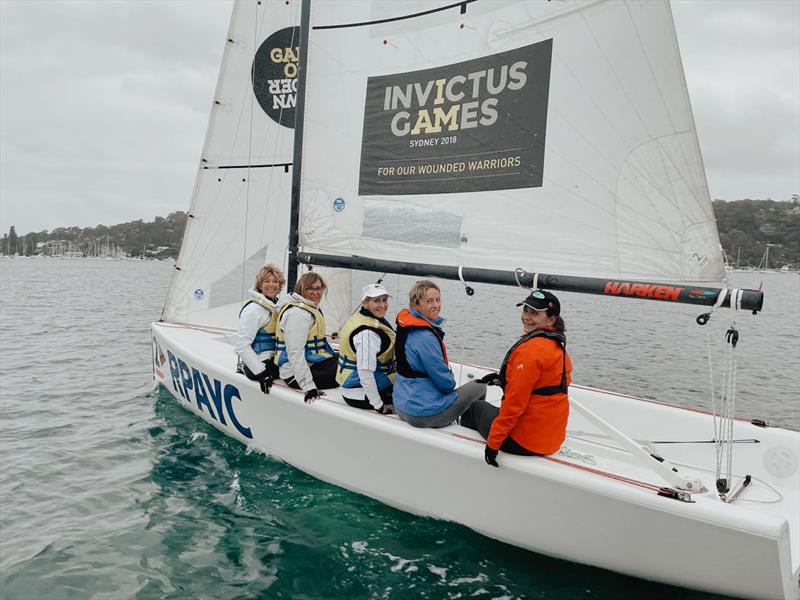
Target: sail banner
[239,213]
[475,125]
[610,180]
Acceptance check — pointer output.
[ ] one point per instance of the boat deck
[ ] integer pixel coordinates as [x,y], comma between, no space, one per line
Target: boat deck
[590,456]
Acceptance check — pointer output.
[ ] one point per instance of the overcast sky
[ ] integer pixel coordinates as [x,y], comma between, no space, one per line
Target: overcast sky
[103,105]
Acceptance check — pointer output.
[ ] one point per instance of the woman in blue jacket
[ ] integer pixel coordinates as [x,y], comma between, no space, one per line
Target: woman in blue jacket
[425,393]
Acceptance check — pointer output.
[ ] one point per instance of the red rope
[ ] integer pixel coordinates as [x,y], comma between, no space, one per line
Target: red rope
[636,482]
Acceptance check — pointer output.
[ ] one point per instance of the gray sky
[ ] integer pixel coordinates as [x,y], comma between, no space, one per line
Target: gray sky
[103,105]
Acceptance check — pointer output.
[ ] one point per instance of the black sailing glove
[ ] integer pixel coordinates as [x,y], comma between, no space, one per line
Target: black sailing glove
[490,456]
[312,395]
[265,384]
[490,379]
[264,378]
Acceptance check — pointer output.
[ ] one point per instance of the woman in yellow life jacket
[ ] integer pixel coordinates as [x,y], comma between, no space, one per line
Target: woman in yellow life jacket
[255,338]
[304,357]
[366,353]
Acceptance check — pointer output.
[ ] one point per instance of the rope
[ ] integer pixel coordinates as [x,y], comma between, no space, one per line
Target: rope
[517,273]
[723,403]
[520,272]
[205,328]
[470,292]
[620,478]
[467,287]
[614,476]
[729,402]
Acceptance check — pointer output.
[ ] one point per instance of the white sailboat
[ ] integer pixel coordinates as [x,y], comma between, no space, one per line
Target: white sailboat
[498,142]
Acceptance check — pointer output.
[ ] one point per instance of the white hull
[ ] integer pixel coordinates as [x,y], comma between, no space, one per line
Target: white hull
[572,505]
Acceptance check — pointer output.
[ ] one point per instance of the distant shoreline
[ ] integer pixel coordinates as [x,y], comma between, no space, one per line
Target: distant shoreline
[755,234]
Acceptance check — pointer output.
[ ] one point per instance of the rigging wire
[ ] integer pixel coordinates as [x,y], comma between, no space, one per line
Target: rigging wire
[584,437]
[723,401]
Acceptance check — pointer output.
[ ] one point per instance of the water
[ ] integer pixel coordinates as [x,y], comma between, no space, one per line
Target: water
[109,489]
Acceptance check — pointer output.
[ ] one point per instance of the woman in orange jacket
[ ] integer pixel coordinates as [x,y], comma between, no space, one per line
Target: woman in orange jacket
[535,373]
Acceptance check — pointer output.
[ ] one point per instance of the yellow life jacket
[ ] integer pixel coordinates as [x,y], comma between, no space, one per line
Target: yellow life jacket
[347,373]
[265,340]
[317,346]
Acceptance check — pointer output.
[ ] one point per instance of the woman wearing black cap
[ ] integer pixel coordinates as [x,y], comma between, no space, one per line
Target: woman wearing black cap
[535,373]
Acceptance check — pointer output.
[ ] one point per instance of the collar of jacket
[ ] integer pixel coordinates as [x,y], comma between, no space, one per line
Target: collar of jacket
[437,323]
[540,329]
[366,312]
[255,293]
[299,298]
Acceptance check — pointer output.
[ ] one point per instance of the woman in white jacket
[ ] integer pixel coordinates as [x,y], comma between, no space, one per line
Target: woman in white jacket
[305,358]
[256,341]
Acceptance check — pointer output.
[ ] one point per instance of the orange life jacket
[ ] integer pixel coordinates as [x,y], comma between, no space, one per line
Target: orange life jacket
[536,422]
[405,323]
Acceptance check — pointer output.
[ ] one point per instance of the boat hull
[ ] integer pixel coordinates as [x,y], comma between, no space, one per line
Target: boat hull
[590,504]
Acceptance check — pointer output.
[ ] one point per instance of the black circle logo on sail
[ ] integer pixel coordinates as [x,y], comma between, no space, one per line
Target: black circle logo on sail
[275,75]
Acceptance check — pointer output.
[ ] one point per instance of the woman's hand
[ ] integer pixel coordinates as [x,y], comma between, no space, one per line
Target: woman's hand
[264,378]
[313,394]
[490,379]
[490,456]
[265,384]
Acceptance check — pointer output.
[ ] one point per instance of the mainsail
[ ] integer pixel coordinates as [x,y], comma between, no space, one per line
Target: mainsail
[548,136]
[239,214]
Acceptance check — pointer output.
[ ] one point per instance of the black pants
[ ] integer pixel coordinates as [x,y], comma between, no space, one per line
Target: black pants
[480,417]
[323,372]
[386,396]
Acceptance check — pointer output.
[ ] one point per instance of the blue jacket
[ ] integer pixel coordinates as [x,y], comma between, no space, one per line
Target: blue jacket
[430,395]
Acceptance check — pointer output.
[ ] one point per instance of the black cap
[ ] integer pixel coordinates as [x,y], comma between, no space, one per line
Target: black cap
[542,300]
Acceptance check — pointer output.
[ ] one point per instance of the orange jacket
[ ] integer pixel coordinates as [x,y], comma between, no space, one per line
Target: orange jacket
[537,423]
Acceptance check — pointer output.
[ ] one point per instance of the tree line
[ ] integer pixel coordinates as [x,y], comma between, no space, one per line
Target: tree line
[160,238]
[745,228]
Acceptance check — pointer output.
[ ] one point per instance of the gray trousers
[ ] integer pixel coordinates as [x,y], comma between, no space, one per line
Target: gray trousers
[467,394]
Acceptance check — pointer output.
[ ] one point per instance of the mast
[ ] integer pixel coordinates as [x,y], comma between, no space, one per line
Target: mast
[297,168]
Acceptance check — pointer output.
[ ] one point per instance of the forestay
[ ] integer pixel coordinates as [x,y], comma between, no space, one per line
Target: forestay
[550,136]
[239,212]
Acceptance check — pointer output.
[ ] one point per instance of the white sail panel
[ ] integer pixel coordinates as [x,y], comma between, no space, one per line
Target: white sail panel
[239,214]
[552,136]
